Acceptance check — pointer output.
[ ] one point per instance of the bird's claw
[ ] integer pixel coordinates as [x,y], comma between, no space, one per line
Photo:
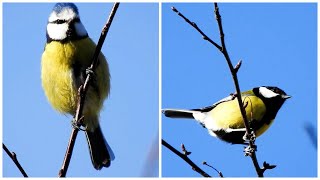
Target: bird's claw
[90,71]
[250,137]
[76,126]
[249,150]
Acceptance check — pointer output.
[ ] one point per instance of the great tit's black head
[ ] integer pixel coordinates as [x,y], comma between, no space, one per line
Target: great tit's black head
[270,92]
[64,23]
[273,98]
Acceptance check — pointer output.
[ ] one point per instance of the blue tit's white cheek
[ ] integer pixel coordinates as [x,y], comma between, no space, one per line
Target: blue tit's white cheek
[80,29]
[265,92]
[57,31]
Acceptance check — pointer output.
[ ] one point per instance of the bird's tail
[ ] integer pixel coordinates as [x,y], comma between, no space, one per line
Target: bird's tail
[100,151]
[179,113]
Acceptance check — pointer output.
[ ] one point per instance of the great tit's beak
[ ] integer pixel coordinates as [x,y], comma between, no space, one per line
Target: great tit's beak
[285,96]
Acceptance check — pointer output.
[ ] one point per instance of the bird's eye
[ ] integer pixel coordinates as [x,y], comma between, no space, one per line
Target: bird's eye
[60,21]
[276,91]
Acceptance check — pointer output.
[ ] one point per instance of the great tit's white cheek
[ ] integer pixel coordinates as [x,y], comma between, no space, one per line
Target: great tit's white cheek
[265,92]
[57,31]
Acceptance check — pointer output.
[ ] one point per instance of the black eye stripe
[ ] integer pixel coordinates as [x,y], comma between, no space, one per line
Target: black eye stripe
[59,21]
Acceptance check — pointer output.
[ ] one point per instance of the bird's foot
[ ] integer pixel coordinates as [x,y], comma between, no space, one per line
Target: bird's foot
[77,126]
[249,150]
[249,137]
[90,71]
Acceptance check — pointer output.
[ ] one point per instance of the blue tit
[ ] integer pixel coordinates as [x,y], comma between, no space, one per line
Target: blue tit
[224,120]
[67,54]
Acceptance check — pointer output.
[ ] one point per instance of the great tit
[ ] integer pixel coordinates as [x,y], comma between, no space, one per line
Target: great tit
[67,54]
[224,120]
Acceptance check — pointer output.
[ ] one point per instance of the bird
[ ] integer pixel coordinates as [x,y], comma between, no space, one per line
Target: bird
[65,60]
[224,120]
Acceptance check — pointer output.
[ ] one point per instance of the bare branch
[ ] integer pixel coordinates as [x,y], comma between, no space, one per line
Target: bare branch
[184,150]
[206,164]
[82,93]
[14,158]
[237,67]
[185,158]
[193,24]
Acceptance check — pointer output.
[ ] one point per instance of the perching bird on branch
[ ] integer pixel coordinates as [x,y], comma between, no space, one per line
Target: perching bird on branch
[67,55]
[224,120]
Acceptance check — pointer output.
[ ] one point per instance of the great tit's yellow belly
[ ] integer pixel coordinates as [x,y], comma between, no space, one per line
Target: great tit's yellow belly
[59,61]
[227,114]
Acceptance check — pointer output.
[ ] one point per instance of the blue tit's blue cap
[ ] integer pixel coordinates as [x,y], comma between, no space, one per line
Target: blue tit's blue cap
[60,6]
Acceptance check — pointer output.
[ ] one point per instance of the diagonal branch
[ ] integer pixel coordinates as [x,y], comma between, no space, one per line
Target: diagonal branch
[14,158]
[82,93]
[193,24]
[185,158]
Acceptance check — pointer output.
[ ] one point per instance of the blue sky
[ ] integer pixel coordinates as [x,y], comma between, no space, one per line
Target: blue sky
[278,45]
[39,135]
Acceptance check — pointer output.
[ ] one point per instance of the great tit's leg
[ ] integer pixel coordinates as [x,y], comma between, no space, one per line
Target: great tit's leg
[249,137]
[248,150]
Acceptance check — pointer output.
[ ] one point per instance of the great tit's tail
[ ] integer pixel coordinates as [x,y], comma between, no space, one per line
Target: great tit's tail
[100,151]
[179,113]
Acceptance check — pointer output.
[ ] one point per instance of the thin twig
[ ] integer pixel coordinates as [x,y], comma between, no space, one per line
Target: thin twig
[82,93]
[185,158]
[14,158]
[193,24]
[219,172]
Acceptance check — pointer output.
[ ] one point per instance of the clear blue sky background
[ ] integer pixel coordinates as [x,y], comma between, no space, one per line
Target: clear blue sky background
[39,135]
[278,45]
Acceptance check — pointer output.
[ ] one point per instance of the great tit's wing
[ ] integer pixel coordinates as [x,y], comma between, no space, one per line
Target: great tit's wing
[209,108]
[226,99]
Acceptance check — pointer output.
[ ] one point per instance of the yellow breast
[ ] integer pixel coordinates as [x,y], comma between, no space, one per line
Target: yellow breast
[58,81]
[228,115]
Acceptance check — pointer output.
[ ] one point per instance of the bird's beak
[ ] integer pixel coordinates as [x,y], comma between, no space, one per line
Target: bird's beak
[286,96]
